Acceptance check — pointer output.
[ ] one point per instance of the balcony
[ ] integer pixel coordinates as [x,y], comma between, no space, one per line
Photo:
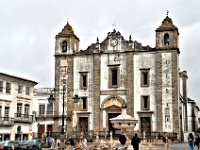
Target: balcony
[6,121]
[51,114]
[25,118]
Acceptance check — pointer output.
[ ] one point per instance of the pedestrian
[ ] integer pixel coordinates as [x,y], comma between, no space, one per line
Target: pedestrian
[122,139]
[71,141]
[52,142]
[197,141]
[49,141]
[135,142]
[190,141]
[164,139]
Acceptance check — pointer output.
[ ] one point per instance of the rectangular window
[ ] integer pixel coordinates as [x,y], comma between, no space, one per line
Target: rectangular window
[83,80]
[113,77]
[145,103]
[167,111]
[84,99]
[26,109]
[8,87]
[27,91]
[50,109]
[20,89]
[19,109]
[1,86]
[6,113]
[144,77]
[0,111]
[49,128]
[42,109]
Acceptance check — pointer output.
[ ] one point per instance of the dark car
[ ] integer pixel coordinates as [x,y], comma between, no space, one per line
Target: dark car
[7,145]
[31,145]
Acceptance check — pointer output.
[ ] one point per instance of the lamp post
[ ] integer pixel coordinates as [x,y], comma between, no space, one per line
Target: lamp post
[51,99]
[181,129]
[63,106]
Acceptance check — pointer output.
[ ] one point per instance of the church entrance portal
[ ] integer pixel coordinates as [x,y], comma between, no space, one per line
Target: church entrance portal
[83,124]
[111,128]
[145,124]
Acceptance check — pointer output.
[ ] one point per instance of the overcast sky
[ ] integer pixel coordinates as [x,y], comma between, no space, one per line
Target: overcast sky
[28,29]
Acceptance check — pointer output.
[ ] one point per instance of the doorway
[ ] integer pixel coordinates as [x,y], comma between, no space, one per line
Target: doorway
[145,124]
[83,124]
[111,128]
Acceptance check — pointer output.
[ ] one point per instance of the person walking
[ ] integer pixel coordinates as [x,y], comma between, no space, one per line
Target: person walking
[122,139]
[135,142]
[190,141]
[197,141]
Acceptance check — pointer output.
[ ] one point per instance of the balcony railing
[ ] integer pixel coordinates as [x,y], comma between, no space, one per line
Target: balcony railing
[52,114]
[6,121]
[23,118]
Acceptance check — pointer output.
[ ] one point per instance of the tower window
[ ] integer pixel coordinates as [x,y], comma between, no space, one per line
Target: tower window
[64,46]
[166,39]
[144,77]
[83,80]
[145,103]
[84,99]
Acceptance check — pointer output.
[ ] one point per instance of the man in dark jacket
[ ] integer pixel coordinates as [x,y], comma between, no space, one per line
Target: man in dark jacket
[122,139]
[135,142]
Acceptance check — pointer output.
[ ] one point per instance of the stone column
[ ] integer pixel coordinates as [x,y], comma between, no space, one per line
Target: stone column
[104,118]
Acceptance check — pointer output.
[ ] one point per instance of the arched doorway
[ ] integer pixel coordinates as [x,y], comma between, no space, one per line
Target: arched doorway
[112,108]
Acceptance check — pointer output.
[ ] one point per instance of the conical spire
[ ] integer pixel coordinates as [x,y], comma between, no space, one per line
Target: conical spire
[167,24]
[67,29]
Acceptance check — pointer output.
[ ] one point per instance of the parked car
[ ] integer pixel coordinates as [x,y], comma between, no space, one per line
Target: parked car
[7,145]
[31,145]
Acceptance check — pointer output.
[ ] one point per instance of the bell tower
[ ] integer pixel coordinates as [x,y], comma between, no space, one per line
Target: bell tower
[167,35]
[66,41]
[167,76]
[66,47]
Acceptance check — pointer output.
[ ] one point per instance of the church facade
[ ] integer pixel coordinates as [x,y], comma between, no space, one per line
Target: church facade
[119,70]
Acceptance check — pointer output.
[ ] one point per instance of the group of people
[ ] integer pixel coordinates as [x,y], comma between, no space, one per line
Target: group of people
[134,142]
[193,141]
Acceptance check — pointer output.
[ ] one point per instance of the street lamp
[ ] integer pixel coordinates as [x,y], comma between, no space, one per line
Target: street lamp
[51,99]
[76,98]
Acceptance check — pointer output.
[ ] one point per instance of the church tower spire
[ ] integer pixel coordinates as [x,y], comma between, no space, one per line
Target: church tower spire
[167,35]
[66,41]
